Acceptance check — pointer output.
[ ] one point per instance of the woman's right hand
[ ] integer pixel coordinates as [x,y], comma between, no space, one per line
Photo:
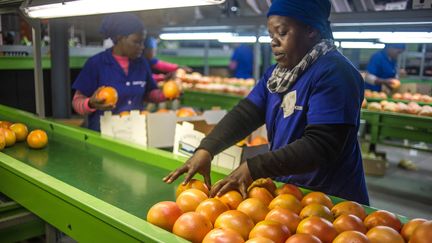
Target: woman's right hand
[200,162]
[99,104]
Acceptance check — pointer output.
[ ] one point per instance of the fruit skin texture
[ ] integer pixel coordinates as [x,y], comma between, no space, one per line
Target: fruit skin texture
[319,227]
[222,236]
[189,200]
[317,210]
[409,228]
[108,94]
[349,222]
[20,131]
[287,201]
[272,230]
[423,233]
[349,207]
[351,237]
[384,234]
[194,183]
[317,197]
[259,239]
[235,220]
[290,189]
[232,199]
[192,226]
[261,194]
[2,139]
[164,214]
[9,136]
[211,208]
[37,139]
[171,90]
[303,238]
[254,208]
[384,218]
[284,216]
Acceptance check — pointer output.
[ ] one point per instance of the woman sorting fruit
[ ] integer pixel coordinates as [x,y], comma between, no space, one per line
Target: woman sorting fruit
[382,68]
[310,103]
[119,78]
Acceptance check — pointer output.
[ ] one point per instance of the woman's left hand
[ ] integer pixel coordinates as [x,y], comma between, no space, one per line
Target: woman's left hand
[238,180]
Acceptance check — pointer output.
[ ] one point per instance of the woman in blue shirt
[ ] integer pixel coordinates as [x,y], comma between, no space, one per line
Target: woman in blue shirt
[310,103]
[382,68]
[121,67]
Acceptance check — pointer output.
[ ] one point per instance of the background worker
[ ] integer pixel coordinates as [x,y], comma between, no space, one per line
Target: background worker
[161,70]
[241,64]
[310,102]
[121,67]
[382,68]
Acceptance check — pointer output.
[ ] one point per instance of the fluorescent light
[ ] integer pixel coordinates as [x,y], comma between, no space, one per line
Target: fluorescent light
[264,39]
[377,35]
[380,24]
[406,40]
[88,7]
[238,39]
[195,36]
[361,45]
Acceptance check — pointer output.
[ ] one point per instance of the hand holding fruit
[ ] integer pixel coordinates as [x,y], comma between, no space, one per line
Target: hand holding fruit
[200,162]
[393,83]
[238,180]
[104,98]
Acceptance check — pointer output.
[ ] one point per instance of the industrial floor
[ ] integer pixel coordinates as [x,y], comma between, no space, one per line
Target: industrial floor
[401,191]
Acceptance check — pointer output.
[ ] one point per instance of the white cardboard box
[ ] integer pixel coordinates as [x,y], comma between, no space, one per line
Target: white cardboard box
[188,136]
[153,130]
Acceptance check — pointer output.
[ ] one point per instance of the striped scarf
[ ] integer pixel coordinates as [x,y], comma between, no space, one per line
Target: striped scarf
[283,78]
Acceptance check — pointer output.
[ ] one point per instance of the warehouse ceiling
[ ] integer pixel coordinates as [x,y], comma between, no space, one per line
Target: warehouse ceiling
[248,16]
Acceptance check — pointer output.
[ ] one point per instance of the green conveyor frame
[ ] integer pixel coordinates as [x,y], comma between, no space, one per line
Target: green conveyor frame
[93,188]
[209,100]
[394,125]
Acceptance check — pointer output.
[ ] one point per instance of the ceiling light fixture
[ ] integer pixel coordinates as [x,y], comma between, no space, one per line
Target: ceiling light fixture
[56,9]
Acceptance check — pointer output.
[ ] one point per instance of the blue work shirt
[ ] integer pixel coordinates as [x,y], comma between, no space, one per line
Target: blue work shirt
[330,91]
[381,66]
[103,69]
[243,55]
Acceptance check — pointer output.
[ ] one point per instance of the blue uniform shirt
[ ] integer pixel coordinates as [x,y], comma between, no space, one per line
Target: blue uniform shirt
[103,69]
[243,55]
[381,66]
[329,92]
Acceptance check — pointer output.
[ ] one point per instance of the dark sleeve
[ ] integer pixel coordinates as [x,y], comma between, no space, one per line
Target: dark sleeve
[243,119]
[320,145]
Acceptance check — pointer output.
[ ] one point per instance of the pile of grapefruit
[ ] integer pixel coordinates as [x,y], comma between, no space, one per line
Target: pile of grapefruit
[279,215]
[10,133]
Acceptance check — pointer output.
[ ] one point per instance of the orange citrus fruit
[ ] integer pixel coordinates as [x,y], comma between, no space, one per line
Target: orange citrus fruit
[37,139]
[9,136]
[171,90]
[108,94]
[20,131]
[2,139]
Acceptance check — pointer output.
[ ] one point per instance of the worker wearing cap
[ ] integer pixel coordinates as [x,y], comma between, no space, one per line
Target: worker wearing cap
[310,103]
[382,68]
[121,67]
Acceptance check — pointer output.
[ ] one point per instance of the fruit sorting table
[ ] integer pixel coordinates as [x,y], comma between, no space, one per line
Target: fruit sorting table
[385,125]
[95,189]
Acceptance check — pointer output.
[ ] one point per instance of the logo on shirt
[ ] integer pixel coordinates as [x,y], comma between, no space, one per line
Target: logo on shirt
[139,83]
[289,104]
